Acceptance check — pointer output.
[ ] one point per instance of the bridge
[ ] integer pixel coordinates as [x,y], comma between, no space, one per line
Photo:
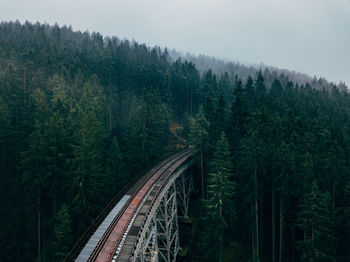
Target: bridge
[142,224]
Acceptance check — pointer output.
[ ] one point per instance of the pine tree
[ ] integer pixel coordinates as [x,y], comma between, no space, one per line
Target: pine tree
[209,85]
[115,166]
[316,222]
[63,232]
[34,167]
[220,181]
[4,138]
[260,88]
[345,226]
[219,204]
[198,137]
[251,165]
[239,115]
[90,189]
[220,118]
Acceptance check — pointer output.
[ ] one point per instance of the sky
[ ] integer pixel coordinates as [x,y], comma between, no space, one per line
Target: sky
[309,36]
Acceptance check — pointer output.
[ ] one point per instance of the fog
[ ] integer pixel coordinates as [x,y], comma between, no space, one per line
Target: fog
[309,36]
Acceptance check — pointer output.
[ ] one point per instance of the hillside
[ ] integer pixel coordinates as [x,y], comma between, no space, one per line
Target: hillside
[81,114]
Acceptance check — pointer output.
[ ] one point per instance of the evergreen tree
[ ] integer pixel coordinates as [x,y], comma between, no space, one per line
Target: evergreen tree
[345,223]
[315,221]
[239,115]
[115,166]
[209,85]
[198,137]
[219,204]
[260,88]
[91,186]
[252,167]
[219,119]
[63,232]
[4,137]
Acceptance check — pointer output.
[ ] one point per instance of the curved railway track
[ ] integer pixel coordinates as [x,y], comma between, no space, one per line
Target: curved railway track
[116,232]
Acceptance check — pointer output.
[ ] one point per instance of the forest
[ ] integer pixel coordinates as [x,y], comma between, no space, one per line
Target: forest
[82,114]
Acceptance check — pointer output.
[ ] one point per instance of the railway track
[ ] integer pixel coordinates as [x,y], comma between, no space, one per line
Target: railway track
[115,234]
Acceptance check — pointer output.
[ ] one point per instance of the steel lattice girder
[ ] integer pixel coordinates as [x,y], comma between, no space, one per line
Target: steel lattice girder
[168,226]
[184,187]
[164,211]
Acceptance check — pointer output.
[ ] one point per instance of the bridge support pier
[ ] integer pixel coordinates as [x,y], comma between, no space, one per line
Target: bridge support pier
[149,250]
[184,186]
[167,226]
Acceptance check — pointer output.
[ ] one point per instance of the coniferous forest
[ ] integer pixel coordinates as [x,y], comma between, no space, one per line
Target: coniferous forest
[82,114]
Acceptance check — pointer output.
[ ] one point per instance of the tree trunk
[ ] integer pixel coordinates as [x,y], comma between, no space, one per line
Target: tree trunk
[39,235]
[187,102]
[281,229]
[143,141]
[220,255]
[273,224]
[256,212]
[110,108]
[191,102]
[333,202]
[253,230]
[53,227]
[261,228]
[202,173]
[24,82]
[293,249]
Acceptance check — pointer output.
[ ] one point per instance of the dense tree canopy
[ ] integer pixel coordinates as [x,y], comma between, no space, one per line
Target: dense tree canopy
[81,115]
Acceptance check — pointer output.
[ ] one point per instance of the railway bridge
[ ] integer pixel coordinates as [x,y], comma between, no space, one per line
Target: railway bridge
[142,223]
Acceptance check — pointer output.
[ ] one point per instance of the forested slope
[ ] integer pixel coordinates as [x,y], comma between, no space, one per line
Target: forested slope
[81,114]
[277,183]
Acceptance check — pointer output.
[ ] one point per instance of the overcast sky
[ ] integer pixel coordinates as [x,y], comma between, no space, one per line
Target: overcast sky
[310,36]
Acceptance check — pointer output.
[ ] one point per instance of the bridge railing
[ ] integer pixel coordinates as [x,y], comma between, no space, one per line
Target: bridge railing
[75,251]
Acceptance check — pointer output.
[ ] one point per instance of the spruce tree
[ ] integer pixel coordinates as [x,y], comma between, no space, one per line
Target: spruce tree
[63,233]
[199,137]
[316,222]
[219,201]
[115,166]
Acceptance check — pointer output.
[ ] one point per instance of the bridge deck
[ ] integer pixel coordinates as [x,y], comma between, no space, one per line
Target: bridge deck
[126,250]
[95,238]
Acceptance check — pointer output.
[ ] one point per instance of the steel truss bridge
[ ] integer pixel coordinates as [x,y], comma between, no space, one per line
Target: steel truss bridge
[142,225]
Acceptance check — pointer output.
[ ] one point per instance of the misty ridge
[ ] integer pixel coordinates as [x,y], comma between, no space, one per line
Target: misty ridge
[243,71]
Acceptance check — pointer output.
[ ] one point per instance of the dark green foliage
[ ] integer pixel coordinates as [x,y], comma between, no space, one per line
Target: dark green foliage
[63,232]
[115,168]
[75,110]
[219,201]
[290,150]
[316,222]
[220,182]
[80,115]
[147,130]
[199,139]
